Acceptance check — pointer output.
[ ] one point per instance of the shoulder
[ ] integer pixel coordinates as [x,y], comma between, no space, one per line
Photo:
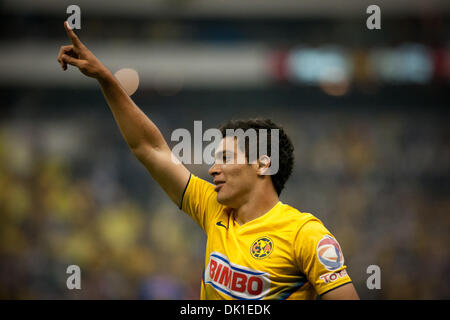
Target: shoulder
[305,228]
[197,188]
[200,201]
[298,219]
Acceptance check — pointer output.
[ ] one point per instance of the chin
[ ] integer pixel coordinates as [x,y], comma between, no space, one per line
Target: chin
[224,200]
[221,200]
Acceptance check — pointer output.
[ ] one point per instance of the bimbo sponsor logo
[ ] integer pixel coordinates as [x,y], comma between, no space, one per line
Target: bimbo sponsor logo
[235,281]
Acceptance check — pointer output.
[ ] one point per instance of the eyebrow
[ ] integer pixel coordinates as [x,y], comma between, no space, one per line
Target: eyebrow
[221,153]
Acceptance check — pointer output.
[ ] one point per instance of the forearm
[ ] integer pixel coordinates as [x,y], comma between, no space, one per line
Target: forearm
[140,133]
[137,129]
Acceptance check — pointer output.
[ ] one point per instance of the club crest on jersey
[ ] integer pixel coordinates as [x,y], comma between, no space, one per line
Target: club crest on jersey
[329,253]
[236,281]
[261,248]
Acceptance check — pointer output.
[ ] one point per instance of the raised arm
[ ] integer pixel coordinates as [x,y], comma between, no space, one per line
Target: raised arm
[141,134]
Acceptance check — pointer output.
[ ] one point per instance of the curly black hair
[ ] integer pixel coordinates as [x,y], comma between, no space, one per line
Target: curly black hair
[286,149]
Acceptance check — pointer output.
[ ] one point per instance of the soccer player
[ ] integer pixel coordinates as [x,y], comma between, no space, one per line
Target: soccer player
[257,247]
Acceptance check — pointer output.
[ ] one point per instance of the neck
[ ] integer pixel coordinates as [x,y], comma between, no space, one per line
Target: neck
[259,202]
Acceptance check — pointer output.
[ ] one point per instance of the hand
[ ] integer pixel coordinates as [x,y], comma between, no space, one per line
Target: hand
[79,56]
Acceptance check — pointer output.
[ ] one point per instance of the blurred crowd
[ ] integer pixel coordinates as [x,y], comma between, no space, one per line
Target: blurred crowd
[378,181]
[367,111]
[52,218]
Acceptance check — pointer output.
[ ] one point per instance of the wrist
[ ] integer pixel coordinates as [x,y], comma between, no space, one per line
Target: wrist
[105,76]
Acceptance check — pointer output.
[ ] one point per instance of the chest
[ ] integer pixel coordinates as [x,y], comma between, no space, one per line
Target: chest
[255,248]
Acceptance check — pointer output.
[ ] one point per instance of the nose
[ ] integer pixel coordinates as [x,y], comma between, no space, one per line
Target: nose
[214,170]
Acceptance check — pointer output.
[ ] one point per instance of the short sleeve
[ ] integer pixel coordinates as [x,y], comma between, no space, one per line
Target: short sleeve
[200,201]
[319,257]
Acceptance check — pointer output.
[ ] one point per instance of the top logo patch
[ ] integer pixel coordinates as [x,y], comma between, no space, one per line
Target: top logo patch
[329,253]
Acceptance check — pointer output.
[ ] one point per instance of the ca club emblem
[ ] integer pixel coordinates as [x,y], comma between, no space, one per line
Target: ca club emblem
[261,248]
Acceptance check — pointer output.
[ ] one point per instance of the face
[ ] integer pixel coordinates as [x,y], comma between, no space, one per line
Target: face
[233,178]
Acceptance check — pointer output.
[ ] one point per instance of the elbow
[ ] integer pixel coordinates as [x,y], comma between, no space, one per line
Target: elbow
[140,151]
[144,152]
[149,154]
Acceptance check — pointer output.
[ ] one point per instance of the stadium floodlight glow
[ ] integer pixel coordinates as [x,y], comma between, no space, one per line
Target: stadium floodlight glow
[128,79]
[409,63]
[312,66]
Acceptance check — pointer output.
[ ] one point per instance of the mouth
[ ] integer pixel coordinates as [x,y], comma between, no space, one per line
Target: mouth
[219,185]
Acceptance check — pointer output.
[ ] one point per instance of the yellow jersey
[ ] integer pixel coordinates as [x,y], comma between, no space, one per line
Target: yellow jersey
[283,254]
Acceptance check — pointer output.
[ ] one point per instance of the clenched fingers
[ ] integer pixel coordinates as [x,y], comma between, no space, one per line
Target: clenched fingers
[71,60]
[64,50]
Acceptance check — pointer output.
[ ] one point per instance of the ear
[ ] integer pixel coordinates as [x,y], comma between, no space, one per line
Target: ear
[263,164]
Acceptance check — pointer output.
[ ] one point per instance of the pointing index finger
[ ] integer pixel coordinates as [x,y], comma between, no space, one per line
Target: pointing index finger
[73,37]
